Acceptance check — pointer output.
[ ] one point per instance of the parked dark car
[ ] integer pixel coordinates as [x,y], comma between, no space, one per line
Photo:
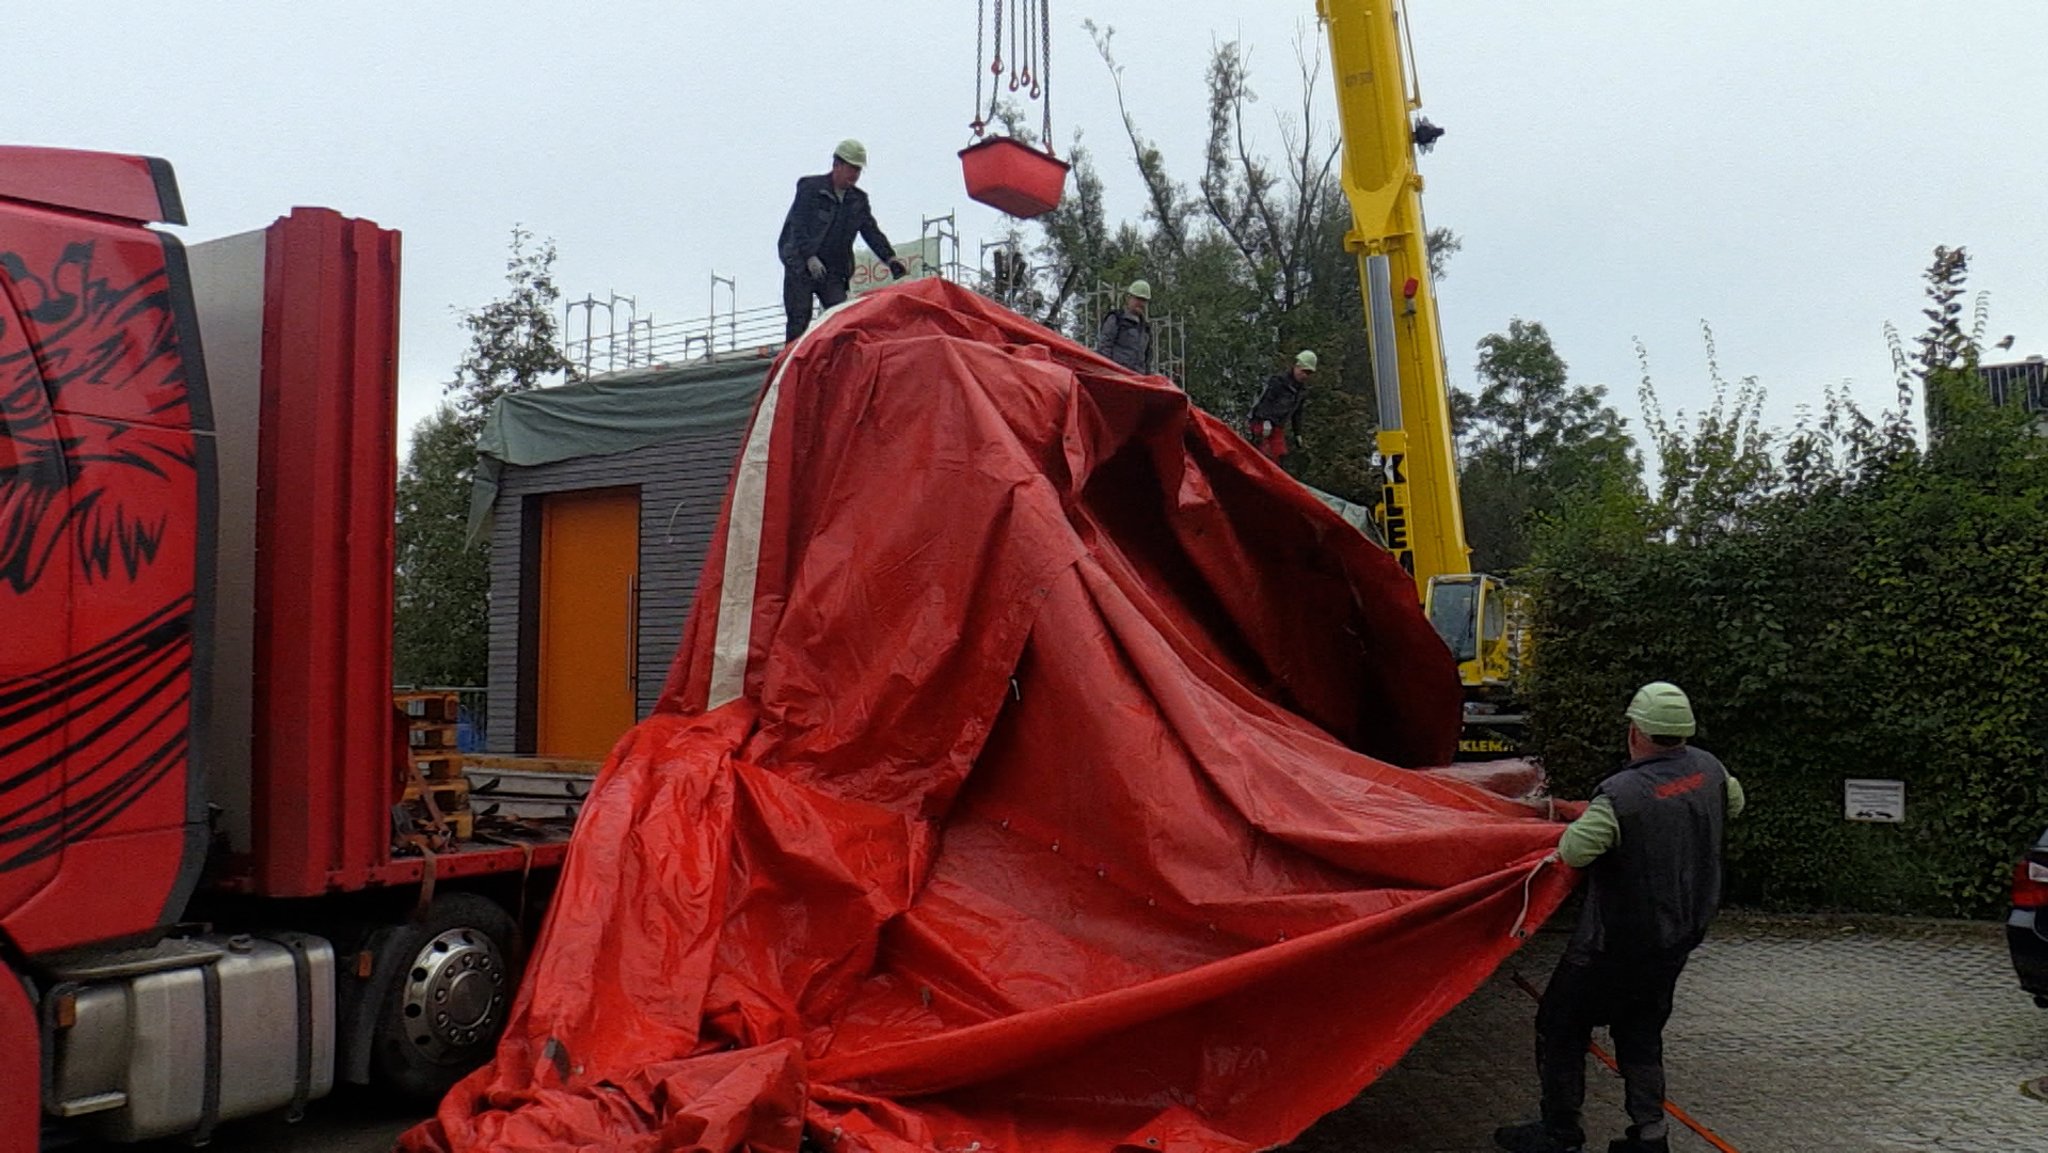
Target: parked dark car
[2026,929]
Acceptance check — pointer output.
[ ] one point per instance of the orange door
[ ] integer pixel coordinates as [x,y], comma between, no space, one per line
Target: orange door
[589,577]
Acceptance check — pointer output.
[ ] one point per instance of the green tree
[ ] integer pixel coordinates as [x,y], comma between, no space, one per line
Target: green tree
[1529,440]
[1841,603]
[1250,257]
[443,586]
[1717,470]
[514,340]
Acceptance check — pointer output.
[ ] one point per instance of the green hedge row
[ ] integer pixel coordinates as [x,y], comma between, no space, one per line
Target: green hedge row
[1858,606]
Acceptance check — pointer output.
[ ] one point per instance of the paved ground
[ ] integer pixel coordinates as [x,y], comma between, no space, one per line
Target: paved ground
[1795,1036]
[1789,1035]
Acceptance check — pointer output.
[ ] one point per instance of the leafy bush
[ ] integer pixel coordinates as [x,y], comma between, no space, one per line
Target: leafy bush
[1841,602]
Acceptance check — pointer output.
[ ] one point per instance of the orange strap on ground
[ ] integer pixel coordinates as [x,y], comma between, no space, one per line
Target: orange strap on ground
[1677,1114]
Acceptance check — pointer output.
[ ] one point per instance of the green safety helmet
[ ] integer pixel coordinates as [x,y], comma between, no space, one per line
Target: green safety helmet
[1305,359]
[1140,289]
[853,152]
[1660,709]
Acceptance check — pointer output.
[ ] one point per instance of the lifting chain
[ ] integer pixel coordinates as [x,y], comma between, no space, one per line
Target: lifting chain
[1029,65]
[1016,56]
[980,43]
[995,68]
[1026,76]
[1045,72]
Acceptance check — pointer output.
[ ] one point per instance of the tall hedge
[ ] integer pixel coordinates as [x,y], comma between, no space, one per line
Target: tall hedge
[1859,605]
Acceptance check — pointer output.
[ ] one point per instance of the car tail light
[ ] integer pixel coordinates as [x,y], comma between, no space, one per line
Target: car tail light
[2030,885]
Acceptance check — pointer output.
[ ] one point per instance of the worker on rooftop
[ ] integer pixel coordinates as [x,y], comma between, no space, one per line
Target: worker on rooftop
[1126,335]
[816,246]
[1278,411]
[1651,845]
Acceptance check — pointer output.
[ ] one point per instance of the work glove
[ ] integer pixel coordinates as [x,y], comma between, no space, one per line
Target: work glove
[815,267]
[898,270]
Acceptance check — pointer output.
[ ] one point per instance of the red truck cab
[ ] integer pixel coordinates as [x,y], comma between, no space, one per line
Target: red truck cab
[205,908]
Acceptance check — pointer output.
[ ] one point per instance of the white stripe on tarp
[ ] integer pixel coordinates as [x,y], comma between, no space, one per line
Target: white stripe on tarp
[735,636]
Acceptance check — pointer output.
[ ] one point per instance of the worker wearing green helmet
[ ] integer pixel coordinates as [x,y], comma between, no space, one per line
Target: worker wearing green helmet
[1126,334]
[1651,843]
[816,245]
[1279,408]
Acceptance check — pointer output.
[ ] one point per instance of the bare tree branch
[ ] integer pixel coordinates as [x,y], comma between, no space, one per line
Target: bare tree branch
[1166,207]
[1308,191]
[1226,78]
[1257,183]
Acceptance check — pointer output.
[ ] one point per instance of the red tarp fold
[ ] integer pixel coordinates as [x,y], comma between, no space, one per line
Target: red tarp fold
[1026,781]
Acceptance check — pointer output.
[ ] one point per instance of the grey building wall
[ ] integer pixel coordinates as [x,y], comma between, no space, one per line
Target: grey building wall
[682,484]
[2023,384]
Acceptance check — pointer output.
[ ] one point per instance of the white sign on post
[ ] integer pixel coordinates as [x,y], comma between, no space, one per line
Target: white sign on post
[1880,801]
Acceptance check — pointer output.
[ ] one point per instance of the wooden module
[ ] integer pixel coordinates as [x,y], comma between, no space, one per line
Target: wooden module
[429,708]
[449,795]
[424,736]
[437,766]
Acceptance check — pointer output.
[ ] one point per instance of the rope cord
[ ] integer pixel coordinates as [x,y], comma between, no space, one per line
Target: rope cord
[1521,927]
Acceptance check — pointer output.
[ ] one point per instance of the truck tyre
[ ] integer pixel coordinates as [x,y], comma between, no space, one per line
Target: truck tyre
[446,1007]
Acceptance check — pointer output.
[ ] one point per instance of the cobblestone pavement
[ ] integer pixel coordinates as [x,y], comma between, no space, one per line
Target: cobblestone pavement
[1790,1035]
[1793,1035]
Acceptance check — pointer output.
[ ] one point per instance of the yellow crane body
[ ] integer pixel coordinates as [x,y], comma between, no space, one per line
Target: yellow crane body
[1421,516]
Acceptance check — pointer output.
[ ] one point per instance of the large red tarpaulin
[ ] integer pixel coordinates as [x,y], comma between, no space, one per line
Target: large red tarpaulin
[1027,780]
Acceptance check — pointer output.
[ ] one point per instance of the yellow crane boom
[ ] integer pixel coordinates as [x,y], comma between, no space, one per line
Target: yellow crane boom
[1421,516]
[1423,519]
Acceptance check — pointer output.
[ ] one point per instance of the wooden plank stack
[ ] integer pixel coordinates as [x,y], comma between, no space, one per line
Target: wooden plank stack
[436,761]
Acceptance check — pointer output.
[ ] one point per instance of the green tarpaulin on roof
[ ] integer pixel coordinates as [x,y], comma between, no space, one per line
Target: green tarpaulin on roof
[615,413]
[1358,516]
[620,412]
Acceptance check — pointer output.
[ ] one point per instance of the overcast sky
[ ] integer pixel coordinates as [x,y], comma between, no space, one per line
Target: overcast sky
[1617,169]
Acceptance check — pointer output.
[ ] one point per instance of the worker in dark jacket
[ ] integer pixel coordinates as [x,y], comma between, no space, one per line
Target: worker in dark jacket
[1126,336]
[816,245]
[1650,843]
[1279,408]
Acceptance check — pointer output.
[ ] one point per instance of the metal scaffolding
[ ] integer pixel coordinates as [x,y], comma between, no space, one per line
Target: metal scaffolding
[630,341]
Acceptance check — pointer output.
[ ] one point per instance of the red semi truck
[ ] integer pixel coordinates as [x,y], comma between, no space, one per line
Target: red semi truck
[208,905]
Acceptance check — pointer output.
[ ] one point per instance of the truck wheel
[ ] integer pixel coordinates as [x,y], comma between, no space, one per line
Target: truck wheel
[444,1011]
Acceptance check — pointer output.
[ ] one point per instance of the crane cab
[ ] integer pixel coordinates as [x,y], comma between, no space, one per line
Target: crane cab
[1475,615]
[1484,624]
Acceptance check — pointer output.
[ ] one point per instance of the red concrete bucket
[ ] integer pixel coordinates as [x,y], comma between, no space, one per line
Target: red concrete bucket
[1013,177]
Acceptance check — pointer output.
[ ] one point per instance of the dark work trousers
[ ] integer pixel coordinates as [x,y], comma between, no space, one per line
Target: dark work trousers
[1632,997]
[797,290]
